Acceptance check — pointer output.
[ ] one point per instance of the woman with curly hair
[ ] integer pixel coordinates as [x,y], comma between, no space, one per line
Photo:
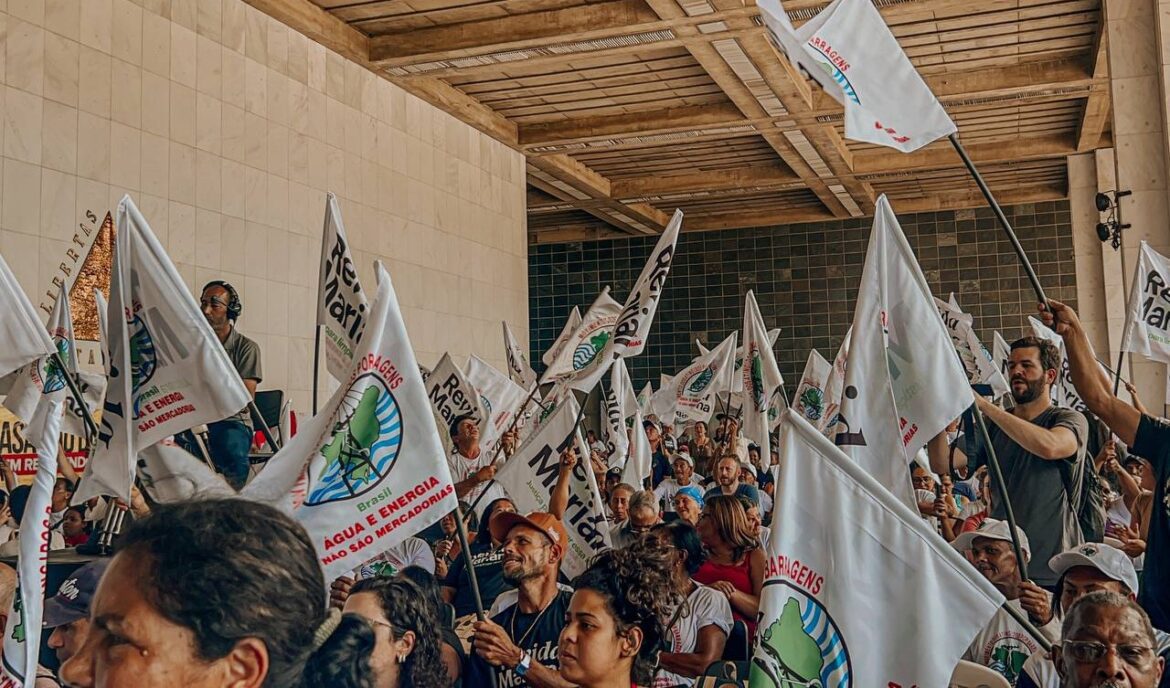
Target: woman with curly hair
[616,623]
[406,651]
[218,593]
[735,563]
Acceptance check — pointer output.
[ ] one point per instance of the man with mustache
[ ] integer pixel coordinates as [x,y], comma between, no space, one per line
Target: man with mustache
[1107,642]
[519,640]
[1003,644]
[1041,449]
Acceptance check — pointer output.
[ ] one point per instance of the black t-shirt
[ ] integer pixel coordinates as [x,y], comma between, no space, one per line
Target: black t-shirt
[489,573]
[538,633]
[1153,443]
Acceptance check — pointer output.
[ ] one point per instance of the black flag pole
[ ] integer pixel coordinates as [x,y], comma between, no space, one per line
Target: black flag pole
[316,365]
[997,473]
[1003,221]
[75,392]
[472,579]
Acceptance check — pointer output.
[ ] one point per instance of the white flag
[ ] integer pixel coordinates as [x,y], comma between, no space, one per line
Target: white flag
[170,473]
[22,635]
[588,340]
[617,404]
[23,338]
[451,396]
[499,397]
[1001,354]
[531,474]
[563,338]
[1148,324]
[376,469]
[639,466]
[809,400]
[629,333]
[1062,391]
[690,395]
[835,387]
[342,309]
[518,368]
[903,383]
[644,398]
[977,362]
[737,374]
[761,377]
[848,49]
[167,370]
[819,627]
[45,377]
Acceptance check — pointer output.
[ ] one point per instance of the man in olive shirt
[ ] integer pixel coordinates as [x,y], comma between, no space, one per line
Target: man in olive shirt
[230,439]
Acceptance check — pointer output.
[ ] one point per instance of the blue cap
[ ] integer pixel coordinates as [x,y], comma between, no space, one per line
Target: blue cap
[73,599]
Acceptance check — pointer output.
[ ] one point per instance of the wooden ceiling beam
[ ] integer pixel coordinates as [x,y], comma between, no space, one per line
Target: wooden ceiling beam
[516,32]
[1097,106]
[942,156]
[710,180]
[973,198]
[569,180]
[639,123]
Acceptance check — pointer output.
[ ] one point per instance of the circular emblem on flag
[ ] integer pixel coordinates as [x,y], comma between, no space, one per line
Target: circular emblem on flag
[51,375]
[143,356]
[589,349]
[812,403]
[802,646]
[701,381]
[365,441]
[487,405]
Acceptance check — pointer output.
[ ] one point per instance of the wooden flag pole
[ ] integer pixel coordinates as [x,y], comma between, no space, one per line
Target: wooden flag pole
[1003,221]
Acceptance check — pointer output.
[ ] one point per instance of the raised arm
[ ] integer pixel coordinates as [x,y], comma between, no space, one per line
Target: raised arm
[559,501]
[1048,444]
[1121,418]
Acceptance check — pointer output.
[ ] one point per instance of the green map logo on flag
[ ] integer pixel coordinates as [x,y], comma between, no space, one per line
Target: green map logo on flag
[702,380]
[18,630]
[588,350]
[364,444]
[812,403]
[757,377]
[800,648]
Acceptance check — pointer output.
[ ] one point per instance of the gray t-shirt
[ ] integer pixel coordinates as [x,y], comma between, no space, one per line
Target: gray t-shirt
[245,356]
[1044,493]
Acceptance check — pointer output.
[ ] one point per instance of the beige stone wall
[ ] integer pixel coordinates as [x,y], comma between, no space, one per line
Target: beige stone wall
[227,128]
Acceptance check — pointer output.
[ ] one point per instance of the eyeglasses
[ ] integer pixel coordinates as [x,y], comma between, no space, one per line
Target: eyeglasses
[1091,652]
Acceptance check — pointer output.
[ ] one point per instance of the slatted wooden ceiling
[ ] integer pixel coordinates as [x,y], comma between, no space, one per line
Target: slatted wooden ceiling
[627,109]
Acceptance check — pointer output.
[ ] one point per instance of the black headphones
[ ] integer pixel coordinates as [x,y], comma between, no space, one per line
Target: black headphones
[234,307]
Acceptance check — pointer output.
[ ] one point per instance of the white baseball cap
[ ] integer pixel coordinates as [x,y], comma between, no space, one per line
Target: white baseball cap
[1108,560]
[992,529]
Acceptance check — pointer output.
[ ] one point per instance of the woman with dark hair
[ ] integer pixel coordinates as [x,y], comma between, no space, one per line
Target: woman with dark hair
[702,450]
[218,593]
[615,625]
[698,627]
[407,656]
[488,558]
[735,563]
[450,648]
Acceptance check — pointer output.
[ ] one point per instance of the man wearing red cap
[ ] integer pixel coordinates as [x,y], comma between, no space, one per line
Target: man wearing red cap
[520,638]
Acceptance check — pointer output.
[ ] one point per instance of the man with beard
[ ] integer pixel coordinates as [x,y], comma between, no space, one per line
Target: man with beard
[1041,449]
[727,473]
[520,640]
[1003,644]
[230,439]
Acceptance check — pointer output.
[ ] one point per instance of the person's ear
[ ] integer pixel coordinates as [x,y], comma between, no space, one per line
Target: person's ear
[246,665]
[558,552]
[631,643]
[404,646]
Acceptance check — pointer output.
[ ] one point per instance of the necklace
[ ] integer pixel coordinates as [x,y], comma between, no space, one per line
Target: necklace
[532,626]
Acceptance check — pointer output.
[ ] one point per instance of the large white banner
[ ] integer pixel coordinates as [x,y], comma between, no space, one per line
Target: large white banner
[848,49]
[977,362]
[499,397]
[760,379]
[23,338]
[1148,324]
[819,627]
[903,383]
[530,475]
[376,469]
[342,308]
[167,370]
[588,341]
[451,396]
[22,635]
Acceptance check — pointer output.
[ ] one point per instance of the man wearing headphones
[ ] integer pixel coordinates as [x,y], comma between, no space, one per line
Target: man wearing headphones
[230,439]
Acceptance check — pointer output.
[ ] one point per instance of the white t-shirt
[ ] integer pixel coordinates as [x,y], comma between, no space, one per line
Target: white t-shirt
[765,502]
[705,607]
[462,469]
[410,552]
[1005,646]
[668,488]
